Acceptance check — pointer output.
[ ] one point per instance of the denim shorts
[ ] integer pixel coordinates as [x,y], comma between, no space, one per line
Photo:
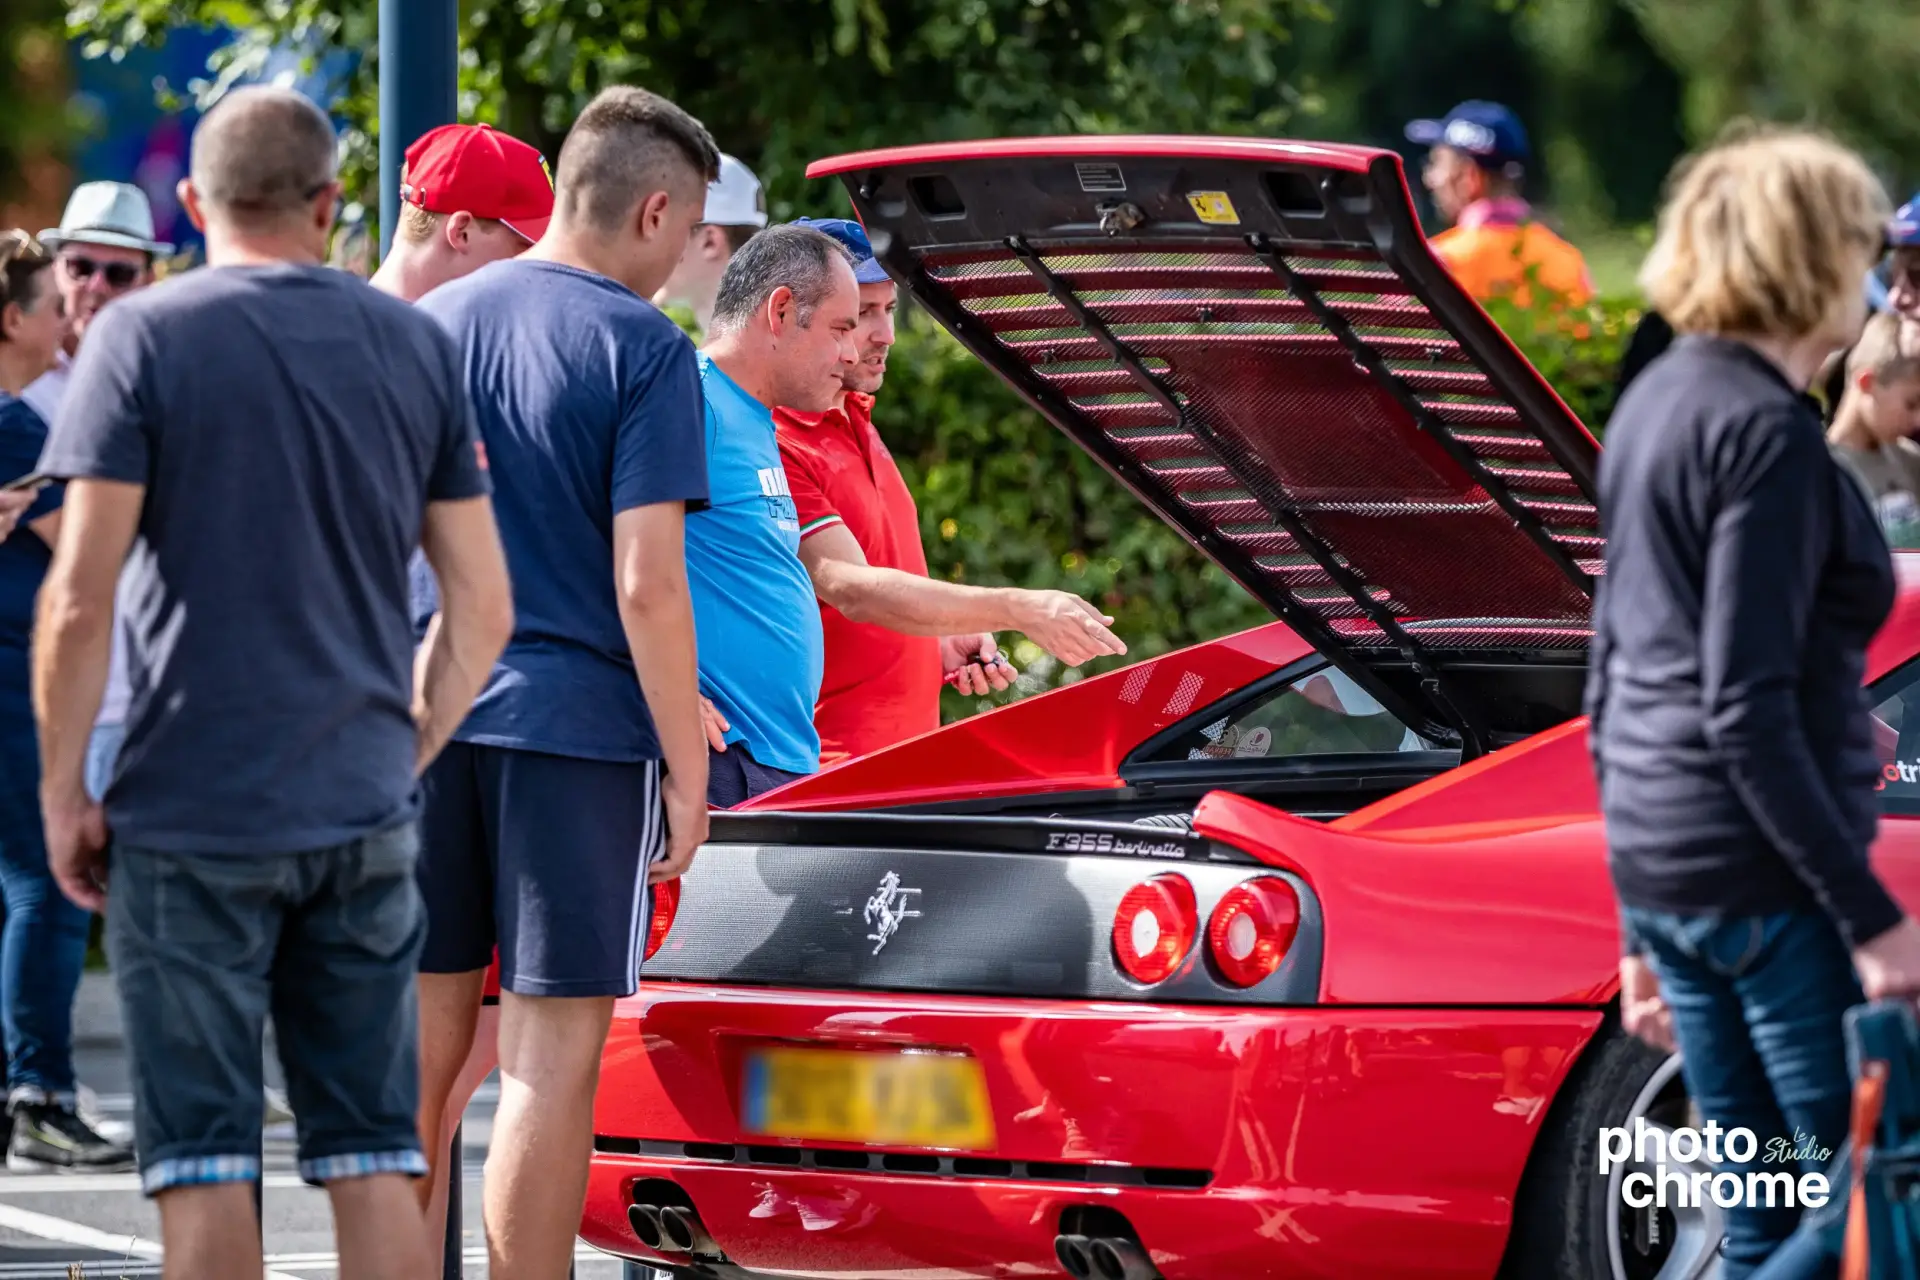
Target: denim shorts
[205,948]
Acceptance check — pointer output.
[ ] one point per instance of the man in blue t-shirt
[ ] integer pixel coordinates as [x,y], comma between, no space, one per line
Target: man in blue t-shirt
[580,775]
[781,334]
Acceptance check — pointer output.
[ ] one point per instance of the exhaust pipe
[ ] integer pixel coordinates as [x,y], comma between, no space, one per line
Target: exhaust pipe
[1117,1258]
[683,1232]
[645,1221]
[1072,1251]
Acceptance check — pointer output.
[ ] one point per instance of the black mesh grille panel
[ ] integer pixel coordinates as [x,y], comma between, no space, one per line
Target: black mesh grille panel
[1255,337]
[1262,408]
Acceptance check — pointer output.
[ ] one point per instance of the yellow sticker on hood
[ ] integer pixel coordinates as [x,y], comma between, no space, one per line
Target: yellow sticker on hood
[1213,207]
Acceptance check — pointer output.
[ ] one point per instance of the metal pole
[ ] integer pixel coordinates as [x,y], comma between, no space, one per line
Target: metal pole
[453,1265]
[419,82]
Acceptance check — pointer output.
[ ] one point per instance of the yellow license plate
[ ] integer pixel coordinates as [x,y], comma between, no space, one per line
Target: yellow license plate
[894,1099]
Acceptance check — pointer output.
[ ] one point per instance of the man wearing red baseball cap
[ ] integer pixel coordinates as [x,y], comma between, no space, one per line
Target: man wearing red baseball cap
[471,195]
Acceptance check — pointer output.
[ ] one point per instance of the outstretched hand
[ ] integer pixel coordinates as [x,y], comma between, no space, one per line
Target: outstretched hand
[1067,627]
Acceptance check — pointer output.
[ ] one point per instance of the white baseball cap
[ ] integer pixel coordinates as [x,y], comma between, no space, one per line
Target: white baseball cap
[735,198]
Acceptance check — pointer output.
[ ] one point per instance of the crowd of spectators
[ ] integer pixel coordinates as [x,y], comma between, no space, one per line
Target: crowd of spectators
[441,566]
[383,662]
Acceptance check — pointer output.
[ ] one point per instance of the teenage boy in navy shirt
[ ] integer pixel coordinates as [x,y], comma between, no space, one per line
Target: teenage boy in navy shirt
[581,773]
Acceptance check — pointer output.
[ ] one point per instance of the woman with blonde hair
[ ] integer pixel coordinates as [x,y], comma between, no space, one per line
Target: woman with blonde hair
[1746,572]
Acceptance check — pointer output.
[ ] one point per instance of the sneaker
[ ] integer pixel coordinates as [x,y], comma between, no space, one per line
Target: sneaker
[87,1104]
[48,1136]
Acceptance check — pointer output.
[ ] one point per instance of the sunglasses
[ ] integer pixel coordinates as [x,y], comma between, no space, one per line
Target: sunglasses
[118,275]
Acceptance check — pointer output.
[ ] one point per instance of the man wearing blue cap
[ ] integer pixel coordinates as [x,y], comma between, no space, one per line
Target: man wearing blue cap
[1903,268]
[1494,247]
[893,634]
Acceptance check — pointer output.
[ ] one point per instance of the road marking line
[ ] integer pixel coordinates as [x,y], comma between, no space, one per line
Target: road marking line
[65,1270]
[61,1231]
[39,1183]
[78,1234]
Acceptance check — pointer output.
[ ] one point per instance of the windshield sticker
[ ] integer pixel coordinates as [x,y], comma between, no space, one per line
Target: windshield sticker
[1214,208]
[1100,179]
[1226,742]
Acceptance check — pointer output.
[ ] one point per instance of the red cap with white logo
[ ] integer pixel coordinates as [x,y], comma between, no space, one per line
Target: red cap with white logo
[476,169]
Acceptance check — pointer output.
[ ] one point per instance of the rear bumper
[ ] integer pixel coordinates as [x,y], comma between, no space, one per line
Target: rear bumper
[1333,1142]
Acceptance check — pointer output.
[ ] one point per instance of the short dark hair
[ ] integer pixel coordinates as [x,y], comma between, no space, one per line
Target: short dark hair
[737,236]
[625,146]
[799,258]
[263,152]
[22,261]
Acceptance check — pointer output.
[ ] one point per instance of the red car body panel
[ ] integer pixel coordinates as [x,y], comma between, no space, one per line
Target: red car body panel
[1468,954]
[1071,739]
[1379,1143]
[1324,155]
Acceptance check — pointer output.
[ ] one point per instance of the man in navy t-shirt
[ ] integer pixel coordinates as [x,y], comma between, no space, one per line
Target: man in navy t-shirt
[261,445]
[580,774]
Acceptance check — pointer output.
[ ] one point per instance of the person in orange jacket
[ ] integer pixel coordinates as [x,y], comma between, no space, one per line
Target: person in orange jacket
[1476,161]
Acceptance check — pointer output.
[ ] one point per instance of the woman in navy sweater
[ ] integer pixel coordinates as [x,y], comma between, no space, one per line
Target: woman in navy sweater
[1745,574]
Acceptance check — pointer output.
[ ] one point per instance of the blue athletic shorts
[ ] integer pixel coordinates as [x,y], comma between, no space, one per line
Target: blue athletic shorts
[545,857]
[735,777]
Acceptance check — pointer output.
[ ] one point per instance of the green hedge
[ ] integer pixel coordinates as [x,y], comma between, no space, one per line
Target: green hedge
[1007,500]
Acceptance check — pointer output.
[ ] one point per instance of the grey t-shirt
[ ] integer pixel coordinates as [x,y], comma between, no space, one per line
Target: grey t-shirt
[290,424]
[1891,476]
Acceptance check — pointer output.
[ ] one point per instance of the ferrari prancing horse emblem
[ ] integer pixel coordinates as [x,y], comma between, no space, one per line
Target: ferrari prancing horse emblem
[887,908]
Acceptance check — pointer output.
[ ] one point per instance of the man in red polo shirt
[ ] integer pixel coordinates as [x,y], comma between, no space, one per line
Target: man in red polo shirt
[893,634]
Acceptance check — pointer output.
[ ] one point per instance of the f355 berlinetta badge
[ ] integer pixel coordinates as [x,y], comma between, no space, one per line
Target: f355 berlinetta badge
[887,908]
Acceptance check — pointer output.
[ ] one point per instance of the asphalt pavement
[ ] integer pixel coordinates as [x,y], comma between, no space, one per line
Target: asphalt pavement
[101,1222]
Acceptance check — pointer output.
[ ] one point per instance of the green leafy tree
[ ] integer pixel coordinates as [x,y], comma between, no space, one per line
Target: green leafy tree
[783,84]
[1845,64]
[31,74]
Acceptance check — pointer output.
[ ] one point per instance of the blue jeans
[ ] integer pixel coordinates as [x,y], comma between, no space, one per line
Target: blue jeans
[43,943]
[1757,1002]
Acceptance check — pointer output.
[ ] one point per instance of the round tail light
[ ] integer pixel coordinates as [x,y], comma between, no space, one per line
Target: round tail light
[666,902]
[1155,927]
[1252,928]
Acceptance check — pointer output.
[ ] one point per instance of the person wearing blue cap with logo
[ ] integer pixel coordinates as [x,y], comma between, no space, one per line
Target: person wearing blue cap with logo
[1900,293]
[1476,161]
[1893,285]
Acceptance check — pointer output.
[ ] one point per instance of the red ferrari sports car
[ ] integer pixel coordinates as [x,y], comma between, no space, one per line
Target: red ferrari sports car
[1292,954]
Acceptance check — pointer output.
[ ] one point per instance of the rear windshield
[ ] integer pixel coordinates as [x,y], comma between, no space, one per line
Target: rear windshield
[1321,713]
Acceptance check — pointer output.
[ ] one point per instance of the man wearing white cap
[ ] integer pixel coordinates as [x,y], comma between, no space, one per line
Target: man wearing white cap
[736,208]
[105,249]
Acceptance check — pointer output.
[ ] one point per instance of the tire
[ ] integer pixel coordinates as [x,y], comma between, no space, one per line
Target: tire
[1569,1223]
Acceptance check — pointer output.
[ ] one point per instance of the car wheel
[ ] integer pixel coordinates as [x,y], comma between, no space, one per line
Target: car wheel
[1570,1222]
